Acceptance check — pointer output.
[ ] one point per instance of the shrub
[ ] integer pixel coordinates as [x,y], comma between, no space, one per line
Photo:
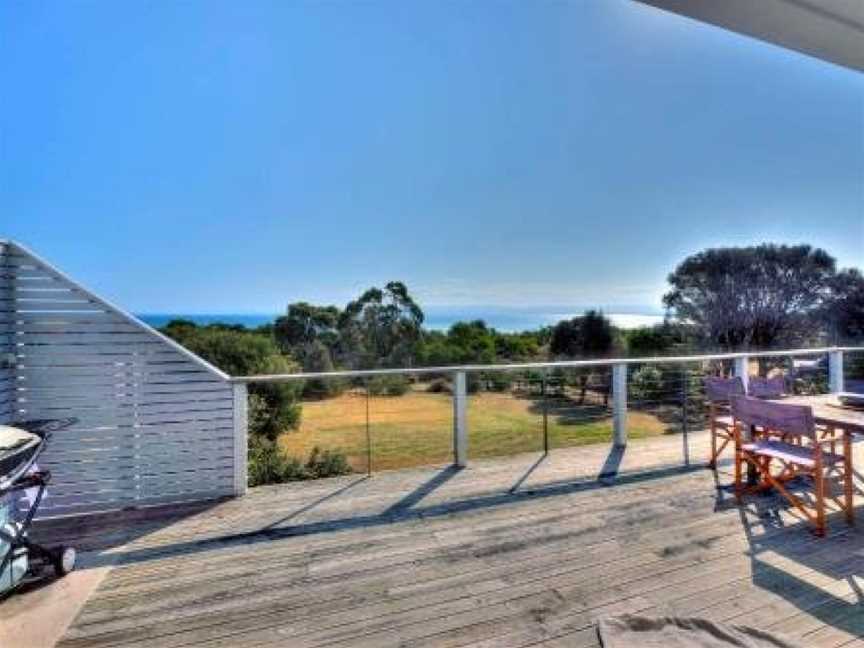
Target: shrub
[258,415]
[390,385]
[316,359]
[647,383]
[498,381]
[268,464]
[810,385]
[440,386]
[326,464]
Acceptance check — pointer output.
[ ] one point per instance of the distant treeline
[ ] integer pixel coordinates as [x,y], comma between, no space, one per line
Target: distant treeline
[756,297]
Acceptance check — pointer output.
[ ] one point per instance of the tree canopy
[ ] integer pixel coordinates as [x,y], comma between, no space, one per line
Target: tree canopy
[844,313]
[381,327]
[590,335]
[305,323]
[753,297]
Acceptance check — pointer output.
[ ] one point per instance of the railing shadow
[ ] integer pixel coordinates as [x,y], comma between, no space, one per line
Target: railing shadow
[610,468]
[320,500]
[515,487]
[427,488]
[404,510]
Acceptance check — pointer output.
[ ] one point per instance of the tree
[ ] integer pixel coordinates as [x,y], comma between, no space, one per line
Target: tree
[597,334]
[383,326]
[304,324]
[316,359]
[516,346]
[752,297]
[649,340]
[566,338]
[471,342]
[844,314]
[591,335]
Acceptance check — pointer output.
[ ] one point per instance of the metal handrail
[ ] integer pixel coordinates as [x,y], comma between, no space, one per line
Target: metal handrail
[271,378]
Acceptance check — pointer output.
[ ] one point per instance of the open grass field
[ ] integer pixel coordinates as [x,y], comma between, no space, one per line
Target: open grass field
[417,428]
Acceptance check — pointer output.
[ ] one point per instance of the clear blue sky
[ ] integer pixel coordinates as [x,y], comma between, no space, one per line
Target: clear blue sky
[235,156]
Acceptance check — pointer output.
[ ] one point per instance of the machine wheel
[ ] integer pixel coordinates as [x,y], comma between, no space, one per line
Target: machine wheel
[64,560]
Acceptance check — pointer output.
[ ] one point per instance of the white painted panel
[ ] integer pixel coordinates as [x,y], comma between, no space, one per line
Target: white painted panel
[6,369]
[46,356]
[59,350]
[155,424]
[61,318]
[121,398]
[74,326]
[34,307]
[97,418]
[112,377]
[193,390]
[26,338]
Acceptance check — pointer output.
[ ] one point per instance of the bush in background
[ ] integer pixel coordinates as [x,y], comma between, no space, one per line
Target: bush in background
[498,381]
[440,386]
[646,383]
[326,463]
[268,464]
[395,385]
[316,358]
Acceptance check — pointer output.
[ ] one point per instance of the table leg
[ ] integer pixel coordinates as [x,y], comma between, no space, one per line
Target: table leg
[848,495]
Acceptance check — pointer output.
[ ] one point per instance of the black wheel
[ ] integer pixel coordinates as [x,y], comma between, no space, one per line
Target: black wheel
[64,560]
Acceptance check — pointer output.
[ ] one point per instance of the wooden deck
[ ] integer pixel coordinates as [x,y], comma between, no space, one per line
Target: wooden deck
[510,552]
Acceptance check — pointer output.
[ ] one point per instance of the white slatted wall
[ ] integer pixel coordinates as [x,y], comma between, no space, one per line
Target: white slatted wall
[155,423]
[6,376]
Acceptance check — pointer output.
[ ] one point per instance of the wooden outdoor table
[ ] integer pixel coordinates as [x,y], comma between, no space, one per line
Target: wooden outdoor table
[828,411]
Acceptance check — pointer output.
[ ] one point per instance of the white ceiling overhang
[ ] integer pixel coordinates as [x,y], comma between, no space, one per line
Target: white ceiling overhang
[832,30]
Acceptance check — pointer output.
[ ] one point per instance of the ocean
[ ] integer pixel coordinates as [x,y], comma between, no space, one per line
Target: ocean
[437,318]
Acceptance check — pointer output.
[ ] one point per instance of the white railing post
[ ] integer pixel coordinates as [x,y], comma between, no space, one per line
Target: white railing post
[742,370]
[835,372]
[241,432]
[460,419]
[619,404]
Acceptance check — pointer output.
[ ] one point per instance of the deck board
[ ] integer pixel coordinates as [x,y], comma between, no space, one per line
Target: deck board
[507,553]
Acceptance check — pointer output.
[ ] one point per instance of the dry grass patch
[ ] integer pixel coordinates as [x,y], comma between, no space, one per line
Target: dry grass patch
[417,428]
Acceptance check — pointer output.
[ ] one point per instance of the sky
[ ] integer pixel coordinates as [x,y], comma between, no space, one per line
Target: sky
[234,157]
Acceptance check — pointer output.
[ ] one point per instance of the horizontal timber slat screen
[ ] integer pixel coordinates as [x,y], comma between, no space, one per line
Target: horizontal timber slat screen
[155,423]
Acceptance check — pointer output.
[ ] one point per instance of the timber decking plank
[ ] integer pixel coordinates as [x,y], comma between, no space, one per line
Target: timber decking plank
[470,563]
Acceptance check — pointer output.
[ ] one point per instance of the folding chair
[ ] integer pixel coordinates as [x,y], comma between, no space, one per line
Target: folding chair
[798,453]
[718,392]
[768,388]
[759,387]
